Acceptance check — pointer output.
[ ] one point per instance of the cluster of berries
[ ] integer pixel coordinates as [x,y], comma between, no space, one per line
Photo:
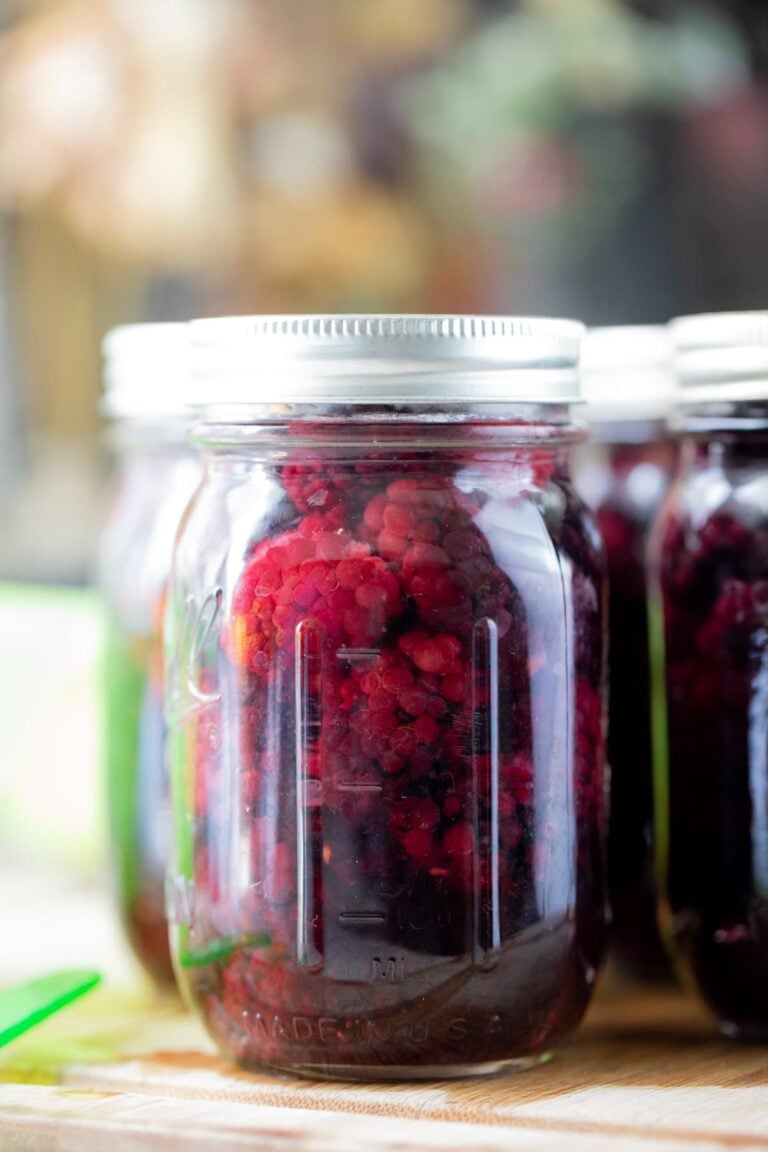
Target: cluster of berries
[388,681]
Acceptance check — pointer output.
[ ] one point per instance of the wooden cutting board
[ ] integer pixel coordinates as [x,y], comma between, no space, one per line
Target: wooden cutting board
[645,1073]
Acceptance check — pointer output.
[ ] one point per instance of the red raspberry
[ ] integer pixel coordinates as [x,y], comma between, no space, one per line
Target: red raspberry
[729,626]
[390,545]
[426,729]
[439,654]
[427,496]
[314,486]
[373,516]
[516,778]
[411,512]
[459,839]
[328,579]
[400,519]
[454,688]
[414,813]
[420,846]
[394,709]
[590,738]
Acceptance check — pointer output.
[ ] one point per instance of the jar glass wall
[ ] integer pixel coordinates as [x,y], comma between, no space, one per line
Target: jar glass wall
[386,642]
[623,472]
[156,474]
[710,622]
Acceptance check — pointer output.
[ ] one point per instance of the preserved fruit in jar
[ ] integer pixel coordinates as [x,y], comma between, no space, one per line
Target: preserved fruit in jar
[623,472]
[710,618]
[145,383]
[386,642]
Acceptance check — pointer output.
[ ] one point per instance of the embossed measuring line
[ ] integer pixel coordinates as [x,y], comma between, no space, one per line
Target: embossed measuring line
[358,655]
[362,917]
[351,786]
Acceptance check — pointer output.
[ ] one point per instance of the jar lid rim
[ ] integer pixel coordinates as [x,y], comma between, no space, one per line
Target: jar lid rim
[146,371]
[627,373]
[720,330]
[717,350]
[383,358]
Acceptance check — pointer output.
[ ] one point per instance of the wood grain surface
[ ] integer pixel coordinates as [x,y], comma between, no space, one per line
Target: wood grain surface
[646,1071]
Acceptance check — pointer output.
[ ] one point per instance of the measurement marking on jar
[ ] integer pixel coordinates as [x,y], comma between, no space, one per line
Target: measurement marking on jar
[353,786]
[354,918]
[308,703]
[390,969]
[358,655]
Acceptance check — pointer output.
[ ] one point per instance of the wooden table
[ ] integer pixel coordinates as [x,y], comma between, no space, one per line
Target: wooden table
[119,1072]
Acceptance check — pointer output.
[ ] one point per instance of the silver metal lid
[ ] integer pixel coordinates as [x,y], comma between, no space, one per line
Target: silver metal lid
[146,372]
[722,356]
[404,360]
[627,373]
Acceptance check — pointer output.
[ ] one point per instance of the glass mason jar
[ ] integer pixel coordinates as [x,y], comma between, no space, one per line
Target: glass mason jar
[385,637]
[623,472]
[710,653]
[157,471]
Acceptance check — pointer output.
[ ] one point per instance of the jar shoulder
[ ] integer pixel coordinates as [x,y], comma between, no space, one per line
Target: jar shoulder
[144,510]
[712,528]
[230,516]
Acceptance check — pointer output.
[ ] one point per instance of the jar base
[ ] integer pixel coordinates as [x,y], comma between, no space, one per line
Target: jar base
[408,1071]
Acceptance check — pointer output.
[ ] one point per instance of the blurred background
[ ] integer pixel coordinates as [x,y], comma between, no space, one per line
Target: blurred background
[167,158]
[160,159]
